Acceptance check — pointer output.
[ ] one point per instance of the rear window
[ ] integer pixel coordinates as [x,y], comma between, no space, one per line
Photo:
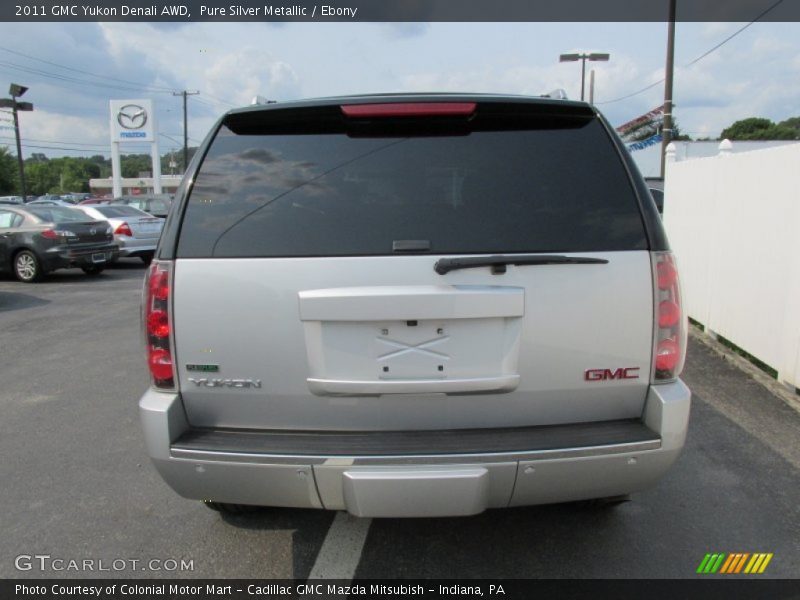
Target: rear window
[120,211]
[543,189]
[58,214]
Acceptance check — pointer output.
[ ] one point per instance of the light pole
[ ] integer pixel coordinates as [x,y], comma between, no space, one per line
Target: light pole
[583,57]
[16,91]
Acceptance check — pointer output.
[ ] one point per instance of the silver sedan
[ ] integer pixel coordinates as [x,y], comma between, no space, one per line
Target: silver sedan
[135,232]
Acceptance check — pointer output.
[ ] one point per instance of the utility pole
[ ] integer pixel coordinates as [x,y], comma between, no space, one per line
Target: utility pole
[185,93]
[15,91]
[666,132]
[591,86]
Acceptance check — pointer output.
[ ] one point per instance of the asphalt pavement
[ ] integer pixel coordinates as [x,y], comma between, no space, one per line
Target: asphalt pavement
[76,483]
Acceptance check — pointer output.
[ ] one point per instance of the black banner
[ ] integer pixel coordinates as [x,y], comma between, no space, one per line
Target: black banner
[240,589]
[399,10]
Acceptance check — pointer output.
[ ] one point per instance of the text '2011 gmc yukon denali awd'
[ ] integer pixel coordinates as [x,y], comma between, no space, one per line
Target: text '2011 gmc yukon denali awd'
[413,305]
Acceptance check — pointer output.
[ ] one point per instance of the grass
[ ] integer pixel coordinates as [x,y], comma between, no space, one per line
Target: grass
[740,351]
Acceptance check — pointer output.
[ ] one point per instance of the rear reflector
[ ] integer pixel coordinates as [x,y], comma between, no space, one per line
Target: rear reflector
[409,109]
[157,324]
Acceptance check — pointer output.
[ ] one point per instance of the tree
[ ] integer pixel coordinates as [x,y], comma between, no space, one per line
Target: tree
[9,173]
[757,128]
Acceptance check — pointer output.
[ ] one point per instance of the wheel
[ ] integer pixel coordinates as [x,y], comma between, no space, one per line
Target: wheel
[27,267]
[147,258]
[230,509]
[93,270]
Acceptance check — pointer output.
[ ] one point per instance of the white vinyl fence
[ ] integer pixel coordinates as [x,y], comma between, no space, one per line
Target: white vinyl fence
[733,221]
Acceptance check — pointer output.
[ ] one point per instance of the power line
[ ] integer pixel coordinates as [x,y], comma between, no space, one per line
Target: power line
[38,147]
[220,100]
[66,78]
[59,142]
[165,89]
[699,58]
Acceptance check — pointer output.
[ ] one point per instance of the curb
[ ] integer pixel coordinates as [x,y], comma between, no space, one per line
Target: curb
[741,363]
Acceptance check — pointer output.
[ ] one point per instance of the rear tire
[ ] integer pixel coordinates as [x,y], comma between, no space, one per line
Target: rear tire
[230,509]
[147,258]
[94,271]
[27,267]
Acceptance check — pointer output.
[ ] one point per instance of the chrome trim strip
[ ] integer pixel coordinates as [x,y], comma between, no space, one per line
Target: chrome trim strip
[424,459]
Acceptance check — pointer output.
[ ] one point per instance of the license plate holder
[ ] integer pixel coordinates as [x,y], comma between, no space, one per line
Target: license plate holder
[99,257]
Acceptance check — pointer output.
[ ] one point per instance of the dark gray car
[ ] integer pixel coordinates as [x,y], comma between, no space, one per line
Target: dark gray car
[35,240]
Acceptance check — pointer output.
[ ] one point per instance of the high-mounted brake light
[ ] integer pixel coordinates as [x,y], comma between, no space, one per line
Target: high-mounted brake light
[157,324]
[409,109]
[669,340]
[123,229]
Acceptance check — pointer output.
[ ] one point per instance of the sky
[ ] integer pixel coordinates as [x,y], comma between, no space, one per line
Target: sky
[757,73]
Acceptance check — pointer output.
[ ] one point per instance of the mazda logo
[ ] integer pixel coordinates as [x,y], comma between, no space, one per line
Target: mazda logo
[132,116]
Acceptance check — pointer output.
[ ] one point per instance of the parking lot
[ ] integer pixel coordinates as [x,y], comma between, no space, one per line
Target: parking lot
[77,484]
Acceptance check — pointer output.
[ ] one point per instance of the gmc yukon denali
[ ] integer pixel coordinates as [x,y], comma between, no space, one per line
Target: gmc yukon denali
[413,305]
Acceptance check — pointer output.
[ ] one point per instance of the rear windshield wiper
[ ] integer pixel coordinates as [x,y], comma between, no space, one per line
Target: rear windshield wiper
[498,263]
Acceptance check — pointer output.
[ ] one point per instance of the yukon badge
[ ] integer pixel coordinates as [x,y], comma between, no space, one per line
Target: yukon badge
[606,374]
[231,383]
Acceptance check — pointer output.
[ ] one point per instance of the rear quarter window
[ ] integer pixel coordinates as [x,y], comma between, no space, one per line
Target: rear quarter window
[553,189]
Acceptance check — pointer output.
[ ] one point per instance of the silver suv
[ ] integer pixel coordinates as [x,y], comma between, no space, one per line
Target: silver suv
[413,305]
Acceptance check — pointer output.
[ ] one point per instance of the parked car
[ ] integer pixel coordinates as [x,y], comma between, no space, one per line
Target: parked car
[94,200]
[35,240]
[51,202]
[76,197]
[11,200]
[55,197]
[156,205]
[413,305]
[135,232]
[658,198]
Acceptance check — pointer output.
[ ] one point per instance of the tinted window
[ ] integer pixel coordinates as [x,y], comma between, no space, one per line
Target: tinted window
[318,194]
[58,214]
[120,211]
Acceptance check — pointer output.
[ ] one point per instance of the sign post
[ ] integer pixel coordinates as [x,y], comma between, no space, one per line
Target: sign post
[133,121]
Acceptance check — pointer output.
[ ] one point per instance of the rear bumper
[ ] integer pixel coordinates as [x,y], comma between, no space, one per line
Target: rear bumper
[396,474]
[129,247]
[61,257]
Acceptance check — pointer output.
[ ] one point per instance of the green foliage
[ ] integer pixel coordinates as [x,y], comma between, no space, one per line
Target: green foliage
[9,173]
[72,174]
[757,128]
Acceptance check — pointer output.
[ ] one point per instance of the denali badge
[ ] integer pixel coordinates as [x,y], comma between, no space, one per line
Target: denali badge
[604,374]
[231,383]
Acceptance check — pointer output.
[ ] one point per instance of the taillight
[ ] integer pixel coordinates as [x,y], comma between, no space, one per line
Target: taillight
[157,324]
[669,341]
[57,234]
[123,229]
